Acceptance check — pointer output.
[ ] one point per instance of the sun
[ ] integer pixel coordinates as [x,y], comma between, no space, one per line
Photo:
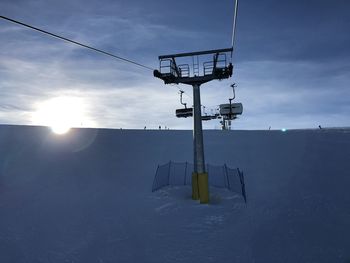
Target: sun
[60,113]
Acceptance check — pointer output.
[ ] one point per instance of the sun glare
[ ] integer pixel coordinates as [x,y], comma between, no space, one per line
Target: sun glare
[60,114]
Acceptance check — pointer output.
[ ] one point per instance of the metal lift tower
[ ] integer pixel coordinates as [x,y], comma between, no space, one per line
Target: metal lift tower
[189,68]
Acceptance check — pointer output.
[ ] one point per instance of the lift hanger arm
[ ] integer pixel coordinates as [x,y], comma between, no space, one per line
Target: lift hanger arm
[182,92]
[233,89]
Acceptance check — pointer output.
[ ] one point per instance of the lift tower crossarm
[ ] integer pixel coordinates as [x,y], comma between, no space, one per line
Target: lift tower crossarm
[197,53]
[210,70]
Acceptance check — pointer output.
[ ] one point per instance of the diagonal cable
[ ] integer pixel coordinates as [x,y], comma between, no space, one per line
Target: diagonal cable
[75,42]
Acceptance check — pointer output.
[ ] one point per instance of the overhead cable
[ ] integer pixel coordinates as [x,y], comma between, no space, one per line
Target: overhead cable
[75,42]
[234,25]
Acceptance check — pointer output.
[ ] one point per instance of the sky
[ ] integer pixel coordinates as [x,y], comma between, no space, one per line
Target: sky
[291,62]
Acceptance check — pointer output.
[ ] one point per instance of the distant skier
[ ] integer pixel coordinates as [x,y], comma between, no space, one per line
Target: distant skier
[144,128]
[319,126]
[160,127]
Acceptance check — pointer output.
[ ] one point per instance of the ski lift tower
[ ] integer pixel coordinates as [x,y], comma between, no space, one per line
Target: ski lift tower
[195,69]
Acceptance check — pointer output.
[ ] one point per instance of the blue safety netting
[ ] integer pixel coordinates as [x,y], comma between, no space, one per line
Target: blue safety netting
[173,174]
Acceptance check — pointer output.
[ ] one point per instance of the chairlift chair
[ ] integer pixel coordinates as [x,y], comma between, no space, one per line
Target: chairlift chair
[184,112]
[207,117]
[230,110]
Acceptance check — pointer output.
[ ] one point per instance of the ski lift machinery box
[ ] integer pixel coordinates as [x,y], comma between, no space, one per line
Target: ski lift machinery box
[236,108]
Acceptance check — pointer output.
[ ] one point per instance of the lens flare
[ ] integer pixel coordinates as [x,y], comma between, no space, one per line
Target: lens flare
[60,114]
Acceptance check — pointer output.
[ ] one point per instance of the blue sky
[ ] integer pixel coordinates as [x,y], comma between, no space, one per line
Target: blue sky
[292,60]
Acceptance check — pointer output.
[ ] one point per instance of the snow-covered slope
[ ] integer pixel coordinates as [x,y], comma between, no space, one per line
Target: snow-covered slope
[86,197]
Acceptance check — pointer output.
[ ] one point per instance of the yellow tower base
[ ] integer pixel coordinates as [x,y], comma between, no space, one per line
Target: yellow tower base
[203,187]
[200,187]
[195,190]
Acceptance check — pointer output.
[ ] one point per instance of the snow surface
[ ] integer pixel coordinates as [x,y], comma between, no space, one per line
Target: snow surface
[86,197]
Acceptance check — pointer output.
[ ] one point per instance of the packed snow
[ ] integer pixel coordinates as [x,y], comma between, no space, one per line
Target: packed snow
[86,197]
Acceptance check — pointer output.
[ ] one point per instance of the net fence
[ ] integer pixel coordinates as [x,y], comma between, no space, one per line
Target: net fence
[221,176]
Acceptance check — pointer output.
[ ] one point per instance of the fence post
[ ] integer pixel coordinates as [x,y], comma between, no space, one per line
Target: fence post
[169,172]
[185,173]
[227,179]
[241,178]
[155,179]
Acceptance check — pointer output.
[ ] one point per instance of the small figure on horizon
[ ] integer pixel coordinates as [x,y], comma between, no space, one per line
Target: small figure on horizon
[160,127]
[270,128]
[319,126]
[144,128]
